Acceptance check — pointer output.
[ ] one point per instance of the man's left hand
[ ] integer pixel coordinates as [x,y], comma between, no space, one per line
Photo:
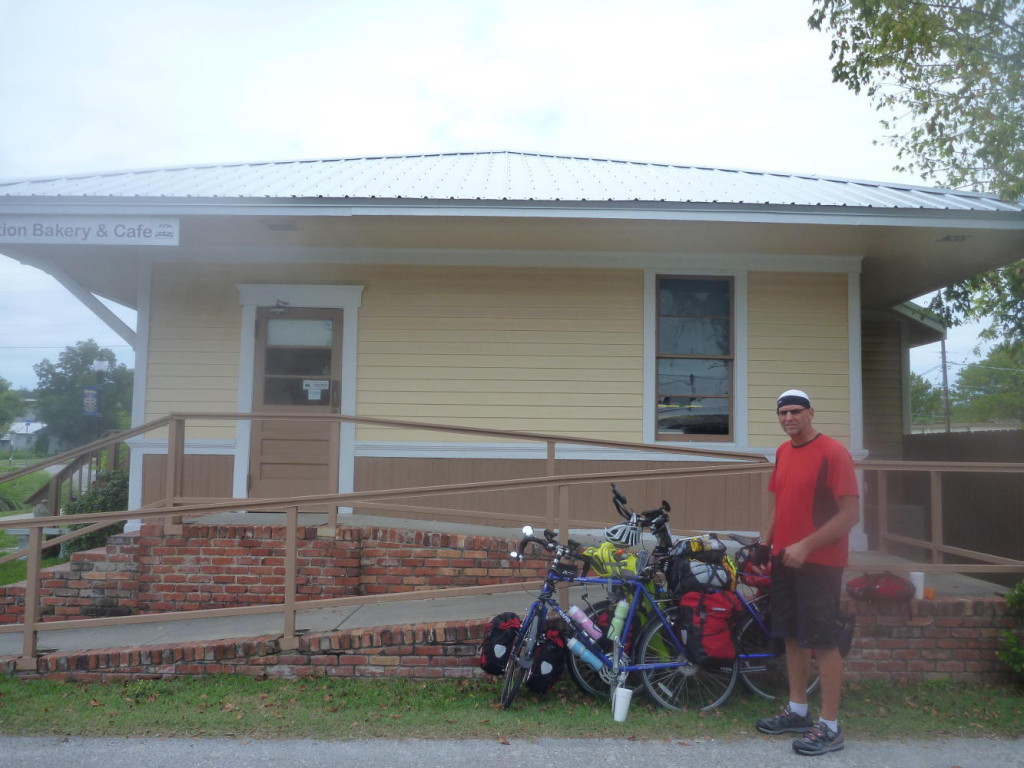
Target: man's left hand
[794,555]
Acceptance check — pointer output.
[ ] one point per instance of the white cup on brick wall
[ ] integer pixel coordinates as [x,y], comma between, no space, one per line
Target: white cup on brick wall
[917,579]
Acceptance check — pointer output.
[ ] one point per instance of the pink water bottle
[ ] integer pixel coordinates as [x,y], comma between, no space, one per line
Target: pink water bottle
[577,615]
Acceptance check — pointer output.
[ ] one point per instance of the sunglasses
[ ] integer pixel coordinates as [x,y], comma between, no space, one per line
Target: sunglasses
[791,412]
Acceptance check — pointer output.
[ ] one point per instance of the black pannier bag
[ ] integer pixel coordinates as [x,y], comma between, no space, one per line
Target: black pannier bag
[501,634]
[548,662]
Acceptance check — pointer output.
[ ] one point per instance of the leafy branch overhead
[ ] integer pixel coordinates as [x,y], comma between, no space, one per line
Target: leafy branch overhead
[952,75]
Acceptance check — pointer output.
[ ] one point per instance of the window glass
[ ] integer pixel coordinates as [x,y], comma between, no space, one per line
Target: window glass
[694,357]
[693,336]
[694,297]
[289,332]
[299,362]
[295,391]
[708,378]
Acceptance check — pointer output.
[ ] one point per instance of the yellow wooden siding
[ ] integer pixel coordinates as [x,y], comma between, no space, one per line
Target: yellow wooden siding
[531,349]
[546,350]
[883,388]
[538,350]
[192,362]
[798,338]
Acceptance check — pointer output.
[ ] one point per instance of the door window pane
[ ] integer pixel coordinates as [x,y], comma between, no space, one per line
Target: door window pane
[279,390]
[299,362]
[289,332]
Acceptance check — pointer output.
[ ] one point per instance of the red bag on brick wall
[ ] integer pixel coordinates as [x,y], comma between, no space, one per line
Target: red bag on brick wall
[880,586]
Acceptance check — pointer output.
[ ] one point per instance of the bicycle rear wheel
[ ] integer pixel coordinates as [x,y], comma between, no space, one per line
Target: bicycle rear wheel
[520,659]
[682,685]
[765,675]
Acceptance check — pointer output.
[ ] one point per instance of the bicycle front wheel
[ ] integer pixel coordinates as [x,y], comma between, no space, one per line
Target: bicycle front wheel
[520,659]
[762,663]
[680,684]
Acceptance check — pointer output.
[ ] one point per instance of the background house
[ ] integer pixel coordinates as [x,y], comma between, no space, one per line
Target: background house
[613,300]
[22,436]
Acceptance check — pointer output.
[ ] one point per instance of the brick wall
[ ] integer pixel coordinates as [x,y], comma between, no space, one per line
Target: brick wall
[943,639]
[214,566]
[948,639]
[211,566]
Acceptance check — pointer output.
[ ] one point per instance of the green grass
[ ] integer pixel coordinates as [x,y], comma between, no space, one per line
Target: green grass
[12,498]
[14,571]
[14,492]
[322,708]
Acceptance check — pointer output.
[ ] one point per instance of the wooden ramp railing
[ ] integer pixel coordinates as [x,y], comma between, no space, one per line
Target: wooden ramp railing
[557,514]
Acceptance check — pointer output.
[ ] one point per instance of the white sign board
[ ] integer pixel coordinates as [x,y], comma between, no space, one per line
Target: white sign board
[89,230]
[315,387]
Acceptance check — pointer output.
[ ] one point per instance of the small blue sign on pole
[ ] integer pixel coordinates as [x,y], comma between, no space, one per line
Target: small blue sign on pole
[91,401]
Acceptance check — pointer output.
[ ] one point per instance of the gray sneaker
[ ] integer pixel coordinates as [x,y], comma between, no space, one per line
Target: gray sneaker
[818,740]
[785,722]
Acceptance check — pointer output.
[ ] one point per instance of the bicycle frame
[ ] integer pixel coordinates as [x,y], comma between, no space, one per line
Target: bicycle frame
[751,607]
[641,596]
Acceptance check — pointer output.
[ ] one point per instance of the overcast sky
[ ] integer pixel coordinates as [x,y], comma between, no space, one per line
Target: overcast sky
[111,85]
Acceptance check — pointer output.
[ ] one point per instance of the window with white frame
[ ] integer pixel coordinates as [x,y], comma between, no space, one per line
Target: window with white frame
[694,358]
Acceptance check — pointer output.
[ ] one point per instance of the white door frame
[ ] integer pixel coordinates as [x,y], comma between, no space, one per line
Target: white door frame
[344,297]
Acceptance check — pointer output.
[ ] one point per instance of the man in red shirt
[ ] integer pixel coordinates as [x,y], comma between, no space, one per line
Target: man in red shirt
[816,505]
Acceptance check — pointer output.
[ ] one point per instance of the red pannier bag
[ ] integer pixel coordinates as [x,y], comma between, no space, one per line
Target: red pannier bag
[705,625]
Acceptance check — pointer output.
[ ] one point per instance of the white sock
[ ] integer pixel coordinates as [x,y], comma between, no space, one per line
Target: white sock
[833,725]
[798,709]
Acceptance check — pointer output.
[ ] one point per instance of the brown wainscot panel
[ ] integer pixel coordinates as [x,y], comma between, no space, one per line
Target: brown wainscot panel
[206,476]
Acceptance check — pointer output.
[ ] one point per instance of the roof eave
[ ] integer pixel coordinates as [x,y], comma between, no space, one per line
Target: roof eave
[750,212]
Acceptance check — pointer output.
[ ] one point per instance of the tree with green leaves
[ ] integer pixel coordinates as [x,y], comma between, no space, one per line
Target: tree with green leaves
[952,74]
[992,389]
[926,401]
[60,394]
[11,405]
[995,297]
[952,71]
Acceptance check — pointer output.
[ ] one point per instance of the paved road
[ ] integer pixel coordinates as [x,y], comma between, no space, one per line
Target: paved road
[17,752]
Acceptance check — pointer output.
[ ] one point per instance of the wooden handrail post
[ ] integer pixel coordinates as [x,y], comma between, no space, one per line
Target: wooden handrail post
[883,511]
[174,478]
[563,535]
[936,537]
[289,641]
[53,495]
[29,635]
[550,471]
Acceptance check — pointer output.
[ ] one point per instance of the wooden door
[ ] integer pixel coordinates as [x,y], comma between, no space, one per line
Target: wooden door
[298,372]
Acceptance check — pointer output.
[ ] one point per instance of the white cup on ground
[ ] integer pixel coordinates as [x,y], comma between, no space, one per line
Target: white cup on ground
[917,579]
[620,703]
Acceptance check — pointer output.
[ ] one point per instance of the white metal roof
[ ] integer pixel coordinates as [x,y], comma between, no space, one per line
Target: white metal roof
[500,176]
